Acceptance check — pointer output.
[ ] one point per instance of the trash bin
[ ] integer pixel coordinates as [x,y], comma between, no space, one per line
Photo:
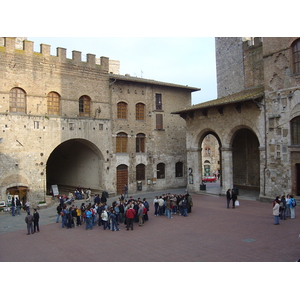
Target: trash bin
[202,187]
[139,186]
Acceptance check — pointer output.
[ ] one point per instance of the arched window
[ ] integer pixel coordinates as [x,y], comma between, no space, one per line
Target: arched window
[53,104]
[140,172]
[121,142]
[140,143]
[17,101]
[295,131]
[160,169]
[122,110]
[296,56]
[84,106]
[179,169]
[140,111]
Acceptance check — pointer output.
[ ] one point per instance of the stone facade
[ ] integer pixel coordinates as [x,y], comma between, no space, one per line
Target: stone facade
[255,118]
[77,145]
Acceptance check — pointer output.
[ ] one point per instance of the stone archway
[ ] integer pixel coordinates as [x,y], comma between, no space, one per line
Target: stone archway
[76,162]
[246,159]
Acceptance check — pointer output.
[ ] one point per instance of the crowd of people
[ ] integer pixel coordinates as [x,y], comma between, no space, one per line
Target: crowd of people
[284,207]
[123,211]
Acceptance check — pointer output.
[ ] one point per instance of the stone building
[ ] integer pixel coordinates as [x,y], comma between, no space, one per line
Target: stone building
[256,117]
[71,123]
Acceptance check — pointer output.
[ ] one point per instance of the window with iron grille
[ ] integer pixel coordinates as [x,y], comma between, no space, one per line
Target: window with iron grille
[140,142]
[140,172]
[158,102]
[160,169]
[17,101]
[179,169]
[122,110]
[140,111]
[84,106]
[53,103]
[296,56]
[121,142]
[295,131]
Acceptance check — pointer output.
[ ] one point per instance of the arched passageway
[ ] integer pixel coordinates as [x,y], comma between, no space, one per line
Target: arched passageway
[245,160]
[74,163]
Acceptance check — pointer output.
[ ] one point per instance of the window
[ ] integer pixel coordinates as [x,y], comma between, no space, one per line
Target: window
[84,106]
[140,172]
[122,110]
[179,169]
[140,142]
[121,144]
[295,131]
[53,103]
[159,121]
[296,56]
[158,102]
[17,101]
[160,171]
[140,111]
[36,124]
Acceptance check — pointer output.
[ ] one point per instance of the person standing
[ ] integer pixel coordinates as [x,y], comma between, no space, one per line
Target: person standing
[113,221]
[283,208]
[36,219]
[292,204]
[29,221]
[276,207]
[155,203]
[125,191]
[141,214]
[89,214]
[58,210]
[130,213]
[228,197]
[233,197]
[18,204]
[13,206]
[104,217]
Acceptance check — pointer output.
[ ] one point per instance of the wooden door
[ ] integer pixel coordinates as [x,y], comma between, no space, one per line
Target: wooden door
[122,178]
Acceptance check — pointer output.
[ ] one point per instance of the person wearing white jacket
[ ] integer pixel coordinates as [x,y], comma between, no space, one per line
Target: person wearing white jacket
[276,207]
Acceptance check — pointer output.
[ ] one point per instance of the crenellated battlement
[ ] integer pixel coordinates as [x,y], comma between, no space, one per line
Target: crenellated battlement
[11,45]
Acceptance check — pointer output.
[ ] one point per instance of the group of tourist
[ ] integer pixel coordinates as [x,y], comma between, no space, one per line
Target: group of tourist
[284,207]
[122,211]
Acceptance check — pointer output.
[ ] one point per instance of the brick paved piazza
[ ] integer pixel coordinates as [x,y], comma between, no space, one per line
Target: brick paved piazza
[211,233]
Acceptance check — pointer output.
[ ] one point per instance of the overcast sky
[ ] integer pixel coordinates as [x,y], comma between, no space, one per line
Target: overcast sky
[180,60]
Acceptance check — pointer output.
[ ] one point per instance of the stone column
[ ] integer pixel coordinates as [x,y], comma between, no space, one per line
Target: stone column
[194,170]
[227,169]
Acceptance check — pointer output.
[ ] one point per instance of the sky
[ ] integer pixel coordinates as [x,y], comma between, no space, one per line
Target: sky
[180,60]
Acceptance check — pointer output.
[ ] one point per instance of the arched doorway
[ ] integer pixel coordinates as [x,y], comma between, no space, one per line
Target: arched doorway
[245,160]
[122,178]
[19,191]
[74,163]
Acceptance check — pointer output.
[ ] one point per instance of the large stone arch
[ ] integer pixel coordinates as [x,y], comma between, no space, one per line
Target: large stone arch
[76,162]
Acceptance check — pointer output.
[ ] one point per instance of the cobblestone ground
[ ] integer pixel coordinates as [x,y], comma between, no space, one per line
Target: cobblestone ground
[211,233]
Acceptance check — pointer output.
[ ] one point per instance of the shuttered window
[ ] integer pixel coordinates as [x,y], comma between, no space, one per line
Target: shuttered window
[84,106]
[122,110]
[140,172]
[17,101]
[53,104]
[159,121]
[140,111]
[121,143]
[295,130]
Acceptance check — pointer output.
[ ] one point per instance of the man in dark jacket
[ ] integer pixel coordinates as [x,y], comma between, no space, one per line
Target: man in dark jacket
[36,218]
[29,221]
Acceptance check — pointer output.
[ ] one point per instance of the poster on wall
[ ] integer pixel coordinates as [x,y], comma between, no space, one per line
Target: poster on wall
[54,188]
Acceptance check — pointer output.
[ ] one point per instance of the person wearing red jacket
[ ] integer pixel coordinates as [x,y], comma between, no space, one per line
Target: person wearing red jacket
[130,213]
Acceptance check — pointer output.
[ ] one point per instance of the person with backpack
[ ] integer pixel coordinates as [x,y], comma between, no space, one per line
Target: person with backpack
[292,204]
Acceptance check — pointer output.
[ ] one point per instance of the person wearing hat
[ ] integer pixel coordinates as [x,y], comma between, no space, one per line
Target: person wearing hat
[36,218]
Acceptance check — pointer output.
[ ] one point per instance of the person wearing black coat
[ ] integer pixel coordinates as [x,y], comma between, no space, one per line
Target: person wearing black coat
[36,218]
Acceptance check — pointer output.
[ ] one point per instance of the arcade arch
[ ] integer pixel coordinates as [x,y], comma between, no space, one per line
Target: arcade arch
[76,162]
